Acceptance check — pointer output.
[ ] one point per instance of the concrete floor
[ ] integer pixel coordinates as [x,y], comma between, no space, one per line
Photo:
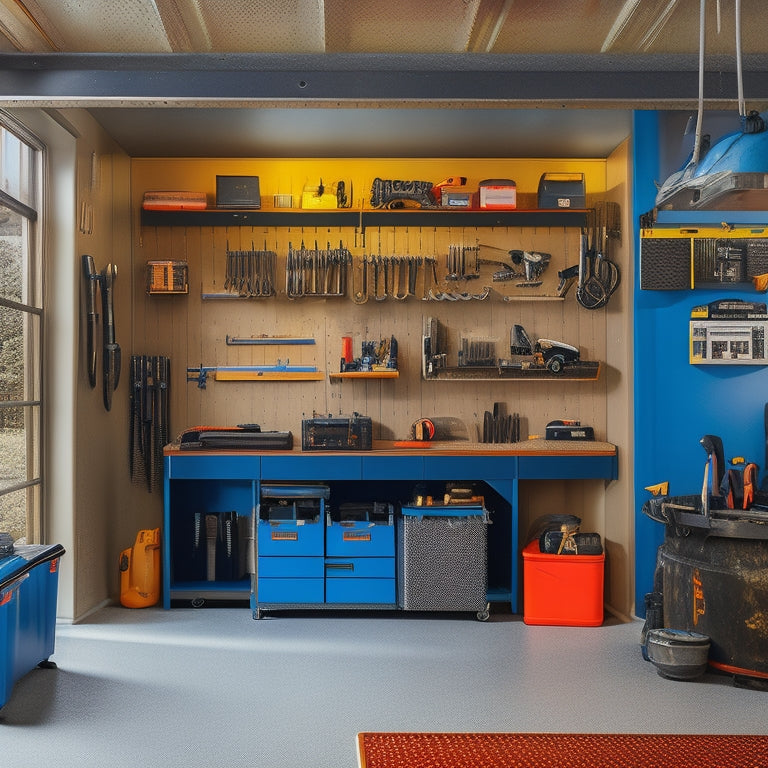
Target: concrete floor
[212,687]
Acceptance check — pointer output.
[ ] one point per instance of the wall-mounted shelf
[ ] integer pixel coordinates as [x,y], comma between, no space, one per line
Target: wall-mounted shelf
[225,375]
[278,372]
[214,217]
[582,371]
[365,375]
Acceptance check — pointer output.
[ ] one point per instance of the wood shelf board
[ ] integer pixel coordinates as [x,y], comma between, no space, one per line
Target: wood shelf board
[586,372]
[268,375]
[365,375]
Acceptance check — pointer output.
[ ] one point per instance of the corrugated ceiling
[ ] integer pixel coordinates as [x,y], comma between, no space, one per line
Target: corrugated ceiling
[513,48]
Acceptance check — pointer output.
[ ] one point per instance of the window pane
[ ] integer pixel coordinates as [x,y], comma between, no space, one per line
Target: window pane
[16,160]
[17,513]
[16,282]
[19,446]
[19,378]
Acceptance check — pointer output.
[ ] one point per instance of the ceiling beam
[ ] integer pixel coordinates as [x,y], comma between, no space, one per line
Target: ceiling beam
[653,81]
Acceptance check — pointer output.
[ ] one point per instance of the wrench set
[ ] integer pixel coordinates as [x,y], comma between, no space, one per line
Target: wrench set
[316,272]
[251,273]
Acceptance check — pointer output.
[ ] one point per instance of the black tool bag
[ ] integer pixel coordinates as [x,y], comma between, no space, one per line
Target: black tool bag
[242,438]
[551,543]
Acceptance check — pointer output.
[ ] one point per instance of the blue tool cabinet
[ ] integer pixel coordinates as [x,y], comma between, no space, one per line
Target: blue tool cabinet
[360,556]
[29,579]
[342,564]
[290,544]
[309,557]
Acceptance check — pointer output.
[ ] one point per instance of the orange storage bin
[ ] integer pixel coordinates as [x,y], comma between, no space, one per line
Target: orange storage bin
[563,590]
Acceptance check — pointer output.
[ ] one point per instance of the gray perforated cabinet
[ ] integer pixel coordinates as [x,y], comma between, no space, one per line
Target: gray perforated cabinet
[443,559]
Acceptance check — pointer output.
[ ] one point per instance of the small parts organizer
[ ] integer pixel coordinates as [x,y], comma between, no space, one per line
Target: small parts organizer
[164,277]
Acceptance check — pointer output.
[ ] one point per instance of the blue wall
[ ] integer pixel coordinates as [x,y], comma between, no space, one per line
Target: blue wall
[677,403]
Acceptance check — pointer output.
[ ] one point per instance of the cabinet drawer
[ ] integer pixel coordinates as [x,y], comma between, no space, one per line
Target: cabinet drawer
[290,590]
[290,538]
[227,467]
[302,567]
[359,567]
[303,468]
[379,591]
[359,540]
[568,467]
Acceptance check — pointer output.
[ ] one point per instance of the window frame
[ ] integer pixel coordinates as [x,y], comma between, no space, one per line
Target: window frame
[30,179]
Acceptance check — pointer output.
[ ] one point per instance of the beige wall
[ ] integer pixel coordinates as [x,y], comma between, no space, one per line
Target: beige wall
[95,509]
[193,332]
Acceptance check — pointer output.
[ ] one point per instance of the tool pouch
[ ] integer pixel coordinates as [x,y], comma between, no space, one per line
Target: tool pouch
[551,542]
[739,486]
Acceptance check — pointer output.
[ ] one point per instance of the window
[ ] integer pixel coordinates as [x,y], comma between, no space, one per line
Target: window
[21,320]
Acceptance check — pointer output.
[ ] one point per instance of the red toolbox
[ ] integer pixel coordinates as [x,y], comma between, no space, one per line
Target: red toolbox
[565,590]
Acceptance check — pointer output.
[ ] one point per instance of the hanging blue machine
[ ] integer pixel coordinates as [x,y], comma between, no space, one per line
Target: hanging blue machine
[732,173]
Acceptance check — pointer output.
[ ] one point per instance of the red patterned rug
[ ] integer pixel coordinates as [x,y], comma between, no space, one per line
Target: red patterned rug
[560,750]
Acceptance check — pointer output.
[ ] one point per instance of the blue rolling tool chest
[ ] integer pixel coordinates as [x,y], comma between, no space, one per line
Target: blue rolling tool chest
[312,557]
[360,555]
[291,544]
[29,578]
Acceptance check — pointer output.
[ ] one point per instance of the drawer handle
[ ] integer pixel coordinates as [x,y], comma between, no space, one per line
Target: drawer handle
[285,535]
[340,566]
[356,536]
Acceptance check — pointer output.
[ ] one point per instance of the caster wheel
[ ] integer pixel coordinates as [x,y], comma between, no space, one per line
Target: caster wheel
[198,602]
[47,664]
[485,614]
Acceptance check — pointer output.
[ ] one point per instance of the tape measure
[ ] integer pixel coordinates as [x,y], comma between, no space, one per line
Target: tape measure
[423,429]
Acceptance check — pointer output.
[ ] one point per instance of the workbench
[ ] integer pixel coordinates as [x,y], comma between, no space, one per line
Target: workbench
[230,481]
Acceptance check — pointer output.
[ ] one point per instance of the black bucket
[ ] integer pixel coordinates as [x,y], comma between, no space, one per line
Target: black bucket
[712,572]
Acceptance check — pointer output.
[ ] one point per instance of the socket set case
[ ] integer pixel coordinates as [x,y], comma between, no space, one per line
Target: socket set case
[352,433]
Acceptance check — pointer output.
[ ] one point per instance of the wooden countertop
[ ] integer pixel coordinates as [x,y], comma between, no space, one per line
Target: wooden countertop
[535,447]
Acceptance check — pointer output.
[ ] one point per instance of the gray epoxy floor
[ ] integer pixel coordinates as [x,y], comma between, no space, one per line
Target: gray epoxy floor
[213,687]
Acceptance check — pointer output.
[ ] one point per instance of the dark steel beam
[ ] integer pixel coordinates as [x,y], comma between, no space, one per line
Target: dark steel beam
[177,79]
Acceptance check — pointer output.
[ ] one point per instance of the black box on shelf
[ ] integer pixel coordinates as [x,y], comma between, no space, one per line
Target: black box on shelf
[353,433]
[237,192]
[561,190]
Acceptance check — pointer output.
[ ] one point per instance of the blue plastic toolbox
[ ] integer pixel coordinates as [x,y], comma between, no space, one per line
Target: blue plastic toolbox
[360,555]
[291,543]
[29,580]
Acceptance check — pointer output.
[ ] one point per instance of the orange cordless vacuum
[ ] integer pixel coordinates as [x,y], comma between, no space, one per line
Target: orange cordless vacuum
[140,571]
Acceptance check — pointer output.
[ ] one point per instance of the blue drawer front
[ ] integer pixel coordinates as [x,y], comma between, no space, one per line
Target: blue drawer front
[290,538]
[379,591]
[393,467]
[226,466]
[568,467]
[469,467]
[301,567]
[291,590]
[359,540]
[359,567]
[314,467]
